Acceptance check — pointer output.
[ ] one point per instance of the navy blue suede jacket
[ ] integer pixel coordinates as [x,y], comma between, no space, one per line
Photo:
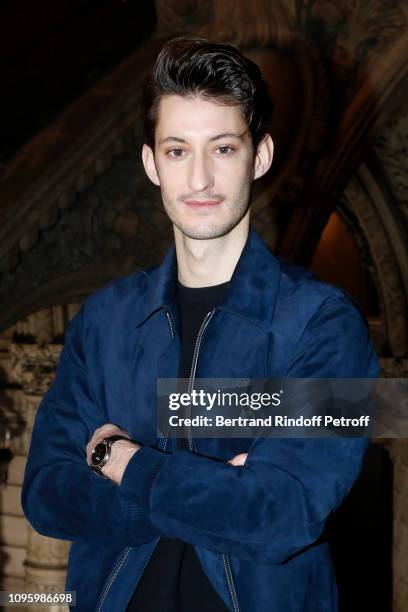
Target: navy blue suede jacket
[255,528]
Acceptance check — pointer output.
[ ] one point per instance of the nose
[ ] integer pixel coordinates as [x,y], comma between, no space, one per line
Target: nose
[200,174]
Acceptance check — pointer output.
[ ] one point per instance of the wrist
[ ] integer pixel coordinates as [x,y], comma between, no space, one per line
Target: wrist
[121,453]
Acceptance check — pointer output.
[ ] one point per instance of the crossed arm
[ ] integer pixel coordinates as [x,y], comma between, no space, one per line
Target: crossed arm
[122,451]
[263,507]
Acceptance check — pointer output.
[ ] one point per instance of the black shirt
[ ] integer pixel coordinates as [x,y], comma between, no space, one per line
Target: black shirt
[174,580]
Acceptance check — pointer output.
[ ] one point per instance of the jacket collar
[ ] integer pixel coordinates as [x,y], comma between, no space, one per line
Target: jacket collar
[250,294]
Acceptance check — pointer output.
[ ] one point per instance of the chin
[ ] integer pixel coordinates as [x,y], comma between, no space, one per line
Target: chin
[205,233]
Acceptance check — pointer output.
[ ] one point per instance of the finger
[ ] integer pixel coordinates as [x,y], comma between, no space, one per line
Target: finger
[104,431]
[109,429]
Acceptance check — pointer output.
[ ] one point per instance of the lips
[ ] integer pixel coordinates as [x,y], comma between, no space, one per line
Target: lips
[202,203]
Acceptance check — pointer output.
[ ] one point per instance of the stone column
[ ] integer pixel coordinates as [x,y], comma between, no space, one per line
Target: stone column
[33,367]
[398,450]
[399,454]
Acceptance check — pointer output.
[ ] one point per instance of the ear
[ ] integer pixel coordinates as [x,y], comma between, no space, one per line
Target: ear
[150,165]
[264,156]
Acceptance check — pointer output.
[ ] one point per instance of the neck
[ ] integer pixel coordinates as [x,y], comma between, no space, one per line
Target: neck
[204,263]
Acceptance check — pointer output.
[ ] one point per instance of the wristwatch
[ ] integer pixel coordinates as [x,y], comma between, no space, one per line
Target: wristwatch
[102,451]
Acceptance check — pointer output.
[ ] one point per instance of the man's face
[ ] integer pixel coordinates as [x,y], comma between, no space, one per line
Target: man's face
[204,164]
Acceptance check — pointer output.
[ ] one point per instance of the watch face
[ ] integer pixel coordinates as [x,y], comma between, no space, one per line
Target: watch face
[98,454]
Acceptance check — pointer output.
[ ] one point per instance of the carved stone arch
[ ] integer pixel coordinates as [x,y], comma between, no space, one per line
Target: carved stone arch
[385,233]
[376,195]
[115,227]
[45,189]
[379,94]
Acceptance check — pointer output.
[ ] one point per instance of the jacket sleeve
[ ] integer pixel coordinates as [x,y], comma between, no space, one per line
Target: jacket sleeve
[61,496]
[278,502]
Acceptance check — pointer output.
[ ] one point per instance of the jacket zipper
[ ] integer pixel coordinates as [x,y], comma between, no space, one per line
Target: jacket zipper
[112,577]
[230,581]
[227,564]
[170,324]
[193,369]
[172,333]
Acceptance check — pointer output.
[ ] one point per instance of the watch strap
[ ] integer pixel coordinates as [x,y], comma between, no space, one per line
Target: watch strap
[112,439]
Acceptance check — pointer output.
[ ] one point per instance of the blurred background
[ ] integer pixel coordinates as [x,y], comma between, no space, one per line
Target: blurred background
[76,211]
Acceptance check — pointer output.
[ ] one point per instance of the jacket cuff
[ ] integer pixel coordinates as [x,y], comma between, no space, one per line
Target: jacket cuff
[140,473]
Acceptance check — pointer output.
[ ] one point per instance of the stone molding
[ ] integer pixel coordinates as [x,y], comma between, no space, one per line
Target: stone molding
[383,234]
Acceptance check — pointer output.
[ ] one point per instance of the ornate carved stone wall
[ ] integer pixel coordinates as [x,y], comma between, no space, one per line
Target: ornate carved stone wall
[114,228]
[29,356]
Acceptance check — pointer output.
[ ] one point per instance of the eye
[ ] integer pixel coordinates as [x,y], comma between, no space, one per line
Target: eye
[225,149]
[175,153]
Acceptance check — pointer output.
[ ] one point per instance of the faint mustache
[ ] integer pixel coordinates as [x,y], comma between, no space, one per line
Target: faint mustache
[201,197]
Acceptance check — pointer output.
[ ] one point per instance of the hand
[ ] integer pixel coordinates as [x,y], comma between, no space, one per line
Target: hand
[238,459]
[121,451]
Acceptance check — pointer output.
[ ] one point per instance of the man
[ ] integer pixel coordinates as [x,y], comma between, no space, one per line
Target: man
[216,524]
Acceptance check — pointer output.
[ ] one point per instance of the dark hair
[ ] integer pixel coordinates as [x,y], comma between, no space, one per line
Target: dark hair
[194,66]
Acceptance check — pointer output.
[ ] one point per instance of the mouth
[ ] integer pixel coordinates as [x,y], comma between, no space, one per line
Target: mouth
[198,204]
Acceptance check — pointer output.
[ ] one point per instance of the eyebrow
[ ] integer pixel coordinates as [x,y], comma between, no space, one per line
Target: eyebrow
[217,137]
